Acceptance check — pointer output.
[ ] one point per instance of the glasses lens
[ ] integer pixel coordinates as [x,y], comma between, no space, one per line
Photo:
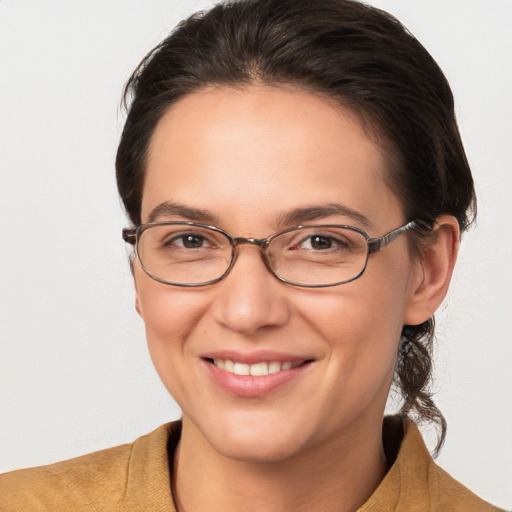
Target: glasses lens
[318,255]
[184,254]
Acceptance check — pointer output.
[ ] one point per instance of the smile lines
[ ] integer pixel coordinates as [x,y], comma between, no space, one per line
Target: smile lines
[258,369]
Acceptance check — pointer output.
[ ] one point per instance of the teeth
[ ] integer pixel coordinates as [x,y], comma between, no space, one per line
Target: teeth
[274,367]
[257,369]
[241,369]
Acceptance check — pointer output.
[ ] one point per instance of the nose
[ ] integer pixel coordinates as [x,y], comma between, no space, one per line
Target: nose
[250,298]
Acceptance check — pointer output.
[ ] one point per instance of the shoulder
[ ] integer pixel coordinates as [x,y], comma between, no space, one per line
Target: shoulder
[79,481]
[415,482]
[449,494]
[97,481]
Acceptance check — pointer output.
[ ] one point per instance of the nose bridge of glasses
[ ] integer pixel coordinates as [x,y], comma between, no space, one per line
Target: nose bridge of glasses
[260,242]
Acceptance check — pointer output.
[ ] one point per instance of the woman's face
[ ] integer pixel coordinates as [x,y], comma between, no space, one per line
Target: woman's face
[252,162]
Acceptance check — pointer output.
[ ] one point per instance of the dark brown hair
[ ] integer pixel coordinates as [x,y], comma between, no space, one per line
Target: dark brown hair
[353,54]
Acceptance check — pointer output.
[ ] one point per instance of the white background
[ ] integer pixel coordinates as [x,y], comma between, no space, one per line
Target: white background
[74,371]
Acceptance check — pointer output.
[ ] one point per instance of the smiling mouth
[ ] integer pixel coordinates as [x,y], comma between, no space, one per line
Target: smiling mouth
[259,369]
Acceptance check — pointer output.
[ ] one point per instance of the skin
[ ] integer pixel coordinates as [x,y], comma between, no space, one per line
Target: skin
[248,157]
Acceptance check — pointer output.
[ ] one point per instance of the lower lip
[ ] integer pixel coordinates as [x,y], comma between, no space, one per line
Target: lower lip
[250,386]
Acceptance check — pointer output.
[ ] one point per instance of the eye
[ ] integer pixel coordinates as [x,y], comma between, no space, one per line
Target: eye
[319,242]
[188,241]
[176,241]
[323,242]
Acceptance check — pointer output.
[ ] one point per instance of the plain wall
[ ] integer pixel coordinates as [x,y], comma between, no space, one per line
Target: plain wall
[75,375]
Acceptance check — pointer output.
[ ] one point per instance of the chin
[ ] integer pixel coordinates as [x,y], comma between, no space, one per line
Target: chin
[257,449]
[256,440]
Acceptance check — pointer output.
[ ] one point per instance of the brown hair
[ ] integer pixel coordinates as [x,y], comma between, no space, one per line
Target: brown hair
[354,54]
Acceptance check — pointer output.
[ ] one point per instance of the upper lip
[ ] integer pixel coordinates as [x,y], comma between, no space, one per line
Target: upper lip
[256,356]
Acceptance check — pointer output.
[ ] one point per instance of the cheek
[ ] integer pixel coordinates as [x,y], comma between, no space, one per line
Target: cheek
[165,309]
[169,315]
[358,329]
[361,322]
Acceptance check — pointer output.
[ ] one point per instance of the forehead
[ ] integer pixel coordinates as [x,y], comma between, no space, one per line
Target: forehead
[260,150]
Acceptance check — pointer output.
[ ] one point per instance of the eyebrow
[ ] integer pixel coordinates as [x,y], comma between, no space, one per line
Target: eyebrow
[292,217]
[170,209]
[315,212]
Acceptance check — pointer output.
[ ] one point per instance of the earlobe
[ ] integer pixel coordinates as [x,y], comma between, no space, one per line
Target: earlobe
[138,307]
[137,304]
[434,272]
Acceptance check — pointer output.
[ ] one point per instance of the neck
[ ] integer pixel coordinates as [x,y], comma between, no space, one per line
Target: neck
[337,477]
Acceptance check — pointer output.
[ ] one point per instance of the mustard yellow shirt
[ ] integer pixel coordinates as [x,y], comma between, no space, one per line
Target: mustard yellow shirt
[136,478]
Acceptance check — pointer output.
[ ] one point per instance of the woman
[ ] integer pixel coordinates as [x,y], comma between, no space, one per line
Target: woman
[297,187]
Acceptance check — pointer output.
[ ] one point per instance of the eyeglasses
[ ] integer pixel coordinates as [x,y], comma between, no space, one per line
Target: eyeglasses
[194,254]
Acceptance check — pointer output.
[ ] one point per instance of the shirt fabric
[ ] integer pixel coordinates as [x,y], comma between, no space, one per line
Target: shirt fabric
[136,478]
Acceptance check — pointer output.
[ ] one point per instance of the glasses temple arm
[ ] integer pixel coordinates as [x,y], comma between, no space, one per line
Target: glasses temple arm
[129,235]
[376,244]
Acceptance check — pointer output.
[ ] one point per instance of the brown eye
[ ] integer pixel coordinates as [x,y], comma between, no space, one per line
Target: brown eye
[323,242]
[190,241]
[318,242]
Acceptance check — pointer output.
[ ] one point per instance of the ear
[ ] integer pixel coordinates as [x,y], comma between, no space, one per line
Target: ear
[137,304]
[435,267]
[138,307]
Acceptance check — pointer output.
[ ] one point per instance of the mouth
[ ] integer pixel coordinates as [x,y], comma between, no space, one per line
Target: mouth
[259,369]
[255,376]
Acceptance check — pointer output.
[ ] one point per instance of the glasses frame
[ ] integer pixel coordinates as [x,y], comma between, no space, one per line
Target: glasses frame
[374,244]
